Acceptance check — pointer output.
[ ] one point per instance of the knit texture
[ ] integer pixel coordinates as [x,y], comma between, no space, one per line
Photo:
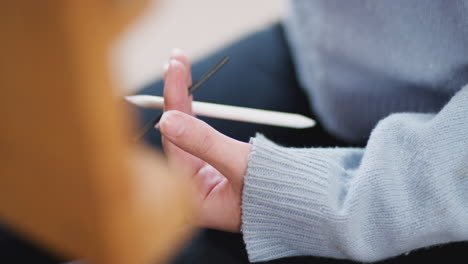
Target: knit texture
[390,67]
[395,68]
[407,189]
[362,60]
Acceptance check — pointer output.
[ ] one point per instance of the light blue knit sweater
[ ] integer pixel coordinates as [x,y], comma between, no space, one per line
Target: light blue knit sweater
[399,69]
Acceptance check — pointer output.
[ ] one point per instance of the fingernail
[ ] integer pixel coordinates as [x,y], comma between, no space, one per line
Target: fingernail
[177,51]
[174,61]
[171,125]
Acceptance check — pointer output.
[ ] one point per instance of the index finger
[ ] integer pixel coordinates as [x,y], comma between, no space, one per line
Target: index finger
[176,94]
[179,55]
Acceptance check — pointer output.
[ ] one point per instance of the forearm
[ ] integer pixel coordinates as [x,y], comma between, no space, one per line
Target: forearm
[405,190]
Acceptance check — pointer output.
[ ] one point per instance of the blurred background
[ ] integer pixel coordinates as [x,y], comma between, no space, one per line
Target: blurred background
[196,26]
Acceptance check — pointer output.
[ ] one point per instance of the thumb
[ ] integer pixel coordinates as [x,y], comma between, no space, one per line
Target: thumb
[227,155]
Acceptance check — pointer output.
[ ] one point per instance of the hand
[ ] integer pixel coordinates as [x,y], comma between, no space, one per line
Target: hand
[216,163]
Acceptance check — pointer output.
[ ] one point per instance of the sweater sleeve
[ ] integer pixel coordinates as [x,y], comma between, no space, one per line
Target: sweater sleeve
[407,189]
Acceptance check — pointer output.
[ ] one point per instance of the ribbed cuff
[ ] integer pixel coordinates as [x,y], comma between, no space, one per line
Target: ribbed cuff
[283,202]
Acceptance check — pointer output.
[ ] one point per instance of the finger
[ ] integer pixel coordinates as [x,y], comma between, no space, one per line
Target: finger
[176,95]
[179,55]
[194,136]
[178,158]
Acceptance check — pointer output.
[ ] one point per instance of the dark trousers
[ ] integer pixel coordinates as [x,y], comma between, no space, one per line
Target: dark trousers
[261,75]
